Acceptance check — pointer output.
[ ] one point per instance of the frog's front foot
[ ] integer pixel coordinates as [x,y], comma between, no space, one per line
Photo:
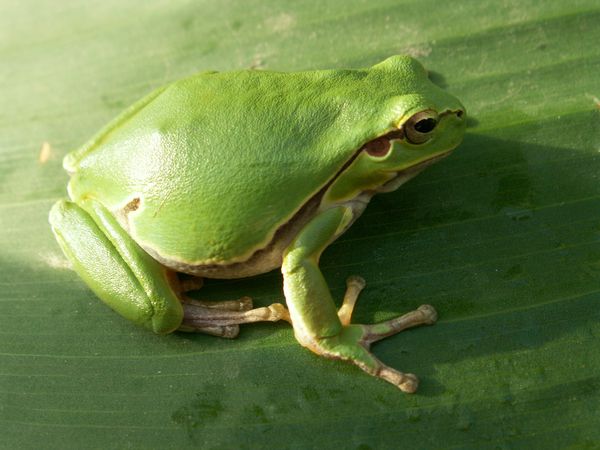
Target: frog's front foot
[354,341]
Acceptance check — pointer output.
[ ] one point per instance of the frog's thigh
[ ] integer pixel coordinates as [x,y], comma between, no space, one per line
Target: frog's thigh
[120,272]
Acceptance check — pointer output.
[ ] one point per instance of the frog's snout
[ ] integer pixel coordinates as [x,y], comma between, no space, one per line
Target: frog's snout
[459,113]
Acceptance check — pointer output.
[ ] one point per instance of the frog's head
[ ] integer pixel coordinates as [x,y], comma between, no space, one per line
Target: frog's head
[415,124]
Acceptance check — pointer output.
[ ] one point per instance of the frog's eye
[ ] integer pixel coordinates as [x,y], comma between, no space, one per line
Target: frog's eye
[418,129]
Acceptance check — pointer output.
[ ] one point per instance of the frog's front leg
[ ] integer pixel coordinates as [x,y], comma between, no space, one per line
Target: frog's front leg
[317,324]
[135,285]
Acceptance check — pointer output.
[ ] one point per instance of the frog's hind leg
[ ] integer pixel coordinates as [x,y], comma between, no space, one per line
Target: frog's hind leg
[134,284]
[242,304]
[114,266]
[187,283]
[205,317]
[220,318]
[183,283]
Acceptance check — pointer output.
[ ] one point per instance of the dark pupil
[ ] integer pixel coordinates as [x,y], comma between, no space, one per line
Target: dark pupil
[425,125]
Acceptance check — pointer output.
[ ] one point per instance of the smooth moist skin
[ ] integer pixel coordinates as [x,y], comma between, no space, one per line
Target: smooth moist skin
[233,174]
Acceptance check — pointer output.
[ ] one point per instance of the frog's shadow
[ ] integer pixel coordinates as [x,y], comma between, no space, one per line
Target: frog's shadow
[446,239]
[480,237]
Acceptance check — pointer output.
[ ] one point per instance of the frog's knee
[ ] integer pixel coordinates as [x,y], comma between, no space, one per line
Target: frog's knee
[70,224]
[143,296]
[60,213]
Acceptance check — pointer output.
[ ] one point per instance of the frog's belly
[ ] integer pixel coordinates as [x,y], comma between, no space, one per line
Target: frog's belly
[261,261]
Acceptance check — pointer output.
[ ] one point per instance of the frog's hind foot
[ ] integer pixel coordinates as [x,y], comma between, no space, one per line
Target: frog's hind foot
[183,283]
[223,318]
[227,331]
[241,304]
[186,283]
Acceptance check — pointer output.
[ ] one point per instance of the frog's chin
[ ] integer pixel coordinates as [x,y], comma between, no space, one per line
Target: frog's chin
[402,176]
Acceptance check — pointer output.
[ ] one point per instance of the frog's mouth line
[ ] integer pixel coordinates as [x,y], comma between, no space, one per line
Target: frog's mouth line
[403,175]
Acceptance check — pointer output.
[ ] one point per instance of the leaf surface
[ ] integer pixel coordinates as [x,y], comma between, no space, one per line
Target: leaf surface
[503,238]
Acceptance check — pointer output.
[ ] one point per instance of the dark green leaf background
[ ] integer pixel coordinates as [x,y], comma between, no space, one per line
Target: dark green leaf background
[503,237]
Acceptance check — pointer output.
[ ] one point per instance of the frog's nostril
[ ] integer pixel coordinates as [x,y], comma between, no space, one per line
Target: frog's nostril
[460,113]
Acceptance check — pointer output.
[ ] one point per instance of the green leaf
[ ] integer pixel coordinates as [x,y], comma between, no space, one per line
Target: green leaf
[503,238]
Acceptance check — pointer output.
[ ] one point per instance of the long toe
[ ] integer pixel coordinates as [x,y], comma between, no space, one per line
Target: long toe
[424,315]
[347,346]
[406,382]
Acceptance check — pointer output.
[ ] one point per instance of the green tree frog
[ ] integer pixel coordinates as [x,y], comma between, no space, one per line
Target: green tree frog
[234,174]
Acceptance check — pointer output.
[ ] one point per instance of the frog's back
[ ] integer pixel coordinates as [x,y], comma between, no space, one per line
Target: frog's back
[206,170]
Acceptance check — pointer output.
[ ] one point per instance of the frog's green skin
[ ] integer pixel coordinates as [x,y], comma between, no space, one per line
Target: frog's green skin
[229,175]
